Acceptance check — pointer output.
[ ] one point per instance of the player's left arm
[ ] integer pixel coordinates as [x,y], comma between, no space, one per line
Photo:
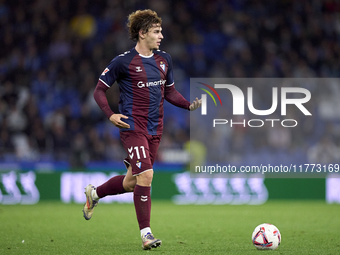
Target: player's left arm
[196,104]
[174,97]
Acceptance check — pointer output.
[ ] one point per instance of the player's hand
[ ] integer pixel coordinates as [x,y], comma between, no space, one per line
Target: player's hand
[196,104]
[115,119]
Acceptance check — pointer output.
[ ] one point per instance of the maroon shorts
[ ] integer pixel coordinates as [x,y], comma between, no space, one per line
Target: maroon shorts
[141,149]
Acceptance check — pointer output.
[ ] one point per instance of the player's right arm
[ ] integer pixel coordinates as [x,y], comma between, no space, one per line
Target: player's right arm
[116,120]
[100,97]
[106,79]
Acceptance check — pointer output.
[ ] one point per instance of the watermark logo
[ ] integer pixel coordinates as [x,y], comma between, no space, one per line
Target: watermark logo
[295,96]
[204,97]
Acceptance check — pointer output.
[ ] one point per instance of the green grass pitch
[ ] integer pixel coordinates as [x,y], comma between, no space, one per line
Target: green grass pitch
[54,228]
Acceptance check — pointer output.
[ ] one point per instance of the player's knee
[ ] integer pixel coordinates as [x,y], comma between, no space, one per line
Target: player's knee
[130,186]
[129,183]
[145,178]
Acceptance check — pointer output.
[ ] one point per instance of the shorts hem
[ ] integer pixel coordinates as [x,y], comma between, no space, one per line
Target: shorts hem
[142,172]
[126,163]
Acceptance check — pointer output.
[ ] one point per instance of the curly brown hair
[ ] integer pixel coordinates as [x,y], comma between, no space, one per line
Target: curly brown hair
[141,20]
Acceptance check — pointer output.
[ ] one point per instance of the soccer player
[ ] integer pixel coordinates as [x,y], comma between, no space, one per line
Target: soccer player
[145,78]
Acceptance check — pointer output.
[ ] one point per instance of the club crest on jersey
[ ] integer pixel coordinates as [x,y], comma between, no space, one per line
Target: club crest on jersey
[162,65]
[138,69]
[105,71]
[139,164]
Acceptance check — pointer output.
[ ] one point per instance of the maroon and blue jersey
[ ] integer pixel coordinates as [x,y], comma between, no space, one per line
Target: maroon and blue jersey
[141,80]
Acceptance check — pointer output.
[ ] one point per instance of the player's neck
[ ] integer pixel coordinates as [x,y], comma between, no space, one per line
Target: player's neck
[143,50]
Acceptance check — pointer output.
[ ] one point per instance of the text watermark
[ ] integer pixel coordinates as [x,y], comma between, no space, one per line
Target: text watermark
[268,168]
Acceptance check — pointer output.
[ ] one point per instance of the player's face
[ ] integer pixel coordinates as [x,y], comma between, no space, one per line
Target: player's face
[154,37]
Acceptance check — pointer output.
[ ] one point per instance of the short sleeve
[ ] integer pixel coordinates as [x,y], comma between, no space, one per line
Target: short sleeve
[111,72]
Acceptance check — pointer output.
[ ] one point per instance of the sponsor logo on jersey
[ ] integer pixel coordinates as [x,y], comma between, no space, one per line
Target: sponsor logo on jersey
[105,71]
[138,69]
[162,65]
[141,84]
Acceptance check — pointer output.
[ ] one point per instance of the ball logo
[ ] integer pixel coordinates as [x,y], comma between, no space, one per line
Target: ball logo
[266,237]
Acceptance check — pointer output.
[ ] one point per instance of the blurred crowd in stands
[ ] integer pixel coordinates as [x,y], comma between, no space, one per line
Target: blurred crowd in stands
[52,53]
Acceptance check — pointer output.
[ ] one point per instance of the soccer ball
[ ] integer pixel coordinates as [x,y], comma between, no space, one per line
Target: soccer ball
[266,237]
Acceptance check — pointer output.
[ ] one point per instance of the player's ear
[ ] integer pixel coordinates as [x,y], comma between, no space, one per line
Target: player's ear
[142,34]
